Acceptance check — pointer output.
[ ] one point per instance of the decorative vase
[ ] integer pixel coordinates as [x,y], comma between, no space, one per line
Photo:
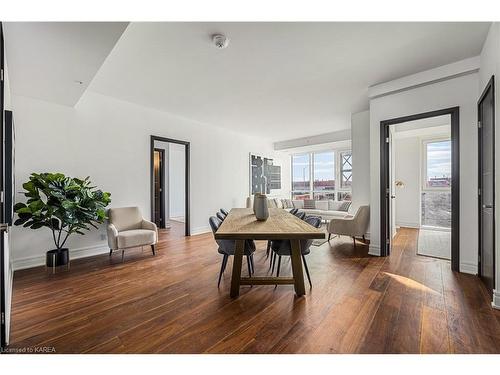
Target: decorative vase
[260,208]
[57,257]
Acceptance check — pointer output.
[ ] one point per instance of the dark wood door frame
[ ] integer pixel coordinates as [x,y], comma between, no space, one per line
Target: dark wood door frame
[162,186]
[489,86]
[187,226]
[385,241]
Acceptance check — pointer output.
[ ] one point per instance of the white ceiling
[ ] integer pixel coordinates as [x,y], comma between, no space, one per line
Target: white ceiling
[48,60]
[275,80]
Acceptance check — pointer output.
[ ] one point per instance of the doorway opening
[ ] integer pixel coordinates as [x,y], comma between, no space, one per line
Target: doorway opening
[419,174]
[170,184]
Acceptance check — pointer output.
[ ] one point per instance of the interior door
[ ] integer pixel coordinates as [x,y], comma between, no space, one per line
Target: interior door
[486,136]
[159,183]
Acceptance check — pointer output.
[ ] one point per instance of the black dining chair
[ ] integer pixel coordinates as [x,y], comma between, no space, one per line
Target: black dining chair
[293,211]
[301,215]
[220,216]
[227,248]
[284,248]
[224,212]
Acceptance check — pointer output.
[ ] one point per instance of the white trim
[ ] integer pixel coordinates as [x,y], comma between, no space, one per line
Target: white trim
[470,268]
[39,260]
[427,77]
[496,299]
[200,230]
[338,136]
[374,250]
[407,224]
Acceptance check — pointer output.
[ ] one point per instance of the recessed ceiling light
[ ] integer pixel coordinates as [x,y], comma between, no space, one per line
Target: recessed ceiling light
[220,41]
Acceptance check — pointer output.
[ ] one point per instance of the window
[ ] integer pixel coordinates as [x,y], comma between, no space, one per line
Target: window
[436,183]
[346,169]
[437,164]
[301,174]
[314,174]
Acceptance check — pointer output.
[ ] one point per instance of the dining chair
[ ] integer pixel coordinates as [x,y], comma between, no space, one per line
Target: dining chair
[227,248]
[224,211]
[220,216]
[301,215]
[284,248]
[293,211]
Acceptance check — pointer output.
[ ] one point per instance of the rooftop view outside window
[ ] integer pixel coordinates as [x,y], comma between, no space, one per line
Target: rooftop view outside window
[436,194]
[324,175]
[438,164]
[301,182]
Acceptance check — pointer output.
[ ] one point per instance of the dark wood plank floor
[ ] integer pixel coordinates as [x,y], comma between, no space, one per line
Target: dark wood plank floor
[169,303]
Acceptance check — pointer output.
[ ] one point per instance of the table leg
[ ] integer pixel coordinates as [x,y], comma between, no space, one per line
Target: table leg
[238,259]
[298,274]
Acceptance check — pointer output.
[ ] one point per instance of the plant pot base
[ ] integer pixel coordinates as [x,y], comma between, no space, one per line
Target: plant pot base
[57,257]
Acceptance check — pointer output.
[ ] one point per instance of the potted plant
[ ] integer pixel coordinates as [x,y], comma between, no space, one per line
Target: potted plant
[63,204]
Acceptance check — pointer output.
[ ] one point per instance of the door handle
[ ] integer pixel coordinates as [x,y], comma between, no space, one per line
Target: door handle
[393,196]
[487,206]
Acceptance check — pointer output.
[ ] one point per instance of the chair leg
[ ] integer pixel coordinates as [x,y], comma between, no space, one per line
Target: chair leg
[364,239]
[222,267]
[329,236]
[123,254]
[279,266]
[153,249]
[307,271]
[354,240]
[224,260]
[249,266]
[273,259]
[110,252]
[268,249]
[252,264]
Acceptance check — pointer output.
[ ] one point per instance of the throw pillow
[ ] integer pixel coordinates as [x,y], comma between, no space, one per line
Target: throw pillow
[278,203]
[309,204]
[322,205]
[287,203]
[297,203]
[345,206]
[333,205]
[271,203]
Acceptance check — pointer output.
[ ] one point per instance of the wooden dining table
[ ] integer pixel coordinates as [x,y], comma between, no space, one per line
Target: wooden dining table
[241,224]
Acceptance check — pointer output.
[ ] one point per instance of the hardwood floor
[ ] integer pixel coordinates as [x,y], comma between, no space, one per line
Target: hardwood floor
[169,303]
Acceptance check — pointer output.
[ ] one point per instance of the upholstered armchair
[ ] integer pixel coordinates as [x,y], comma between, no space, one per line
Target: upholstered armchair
[127,228]
[354,226]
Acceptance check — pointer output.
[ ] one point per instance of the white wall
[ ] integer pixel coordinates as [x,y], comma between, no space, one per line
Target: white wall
[462,92]
[176,180]
[360,135]
[407,157]
[490,65]
[109,140]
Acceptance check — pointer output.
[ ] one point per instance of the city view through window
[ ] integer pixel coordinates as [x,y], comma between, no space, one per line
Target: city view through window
[314,175]
[436,193]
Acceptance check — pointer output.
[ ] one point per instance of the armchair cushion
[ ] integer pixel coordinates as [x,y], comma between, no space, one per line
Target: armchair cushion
[135,238]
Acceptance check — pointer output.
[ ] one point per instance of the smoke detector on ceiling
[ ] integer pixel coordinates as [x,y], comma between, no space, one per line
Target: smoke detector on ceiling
[220,41]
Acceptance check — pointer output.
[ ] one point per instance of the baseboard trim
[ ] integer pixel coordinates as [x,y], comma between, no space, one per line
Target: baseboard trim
[374,250]
[469,268]
[200,230]
[496,299]
[39,260]
[407,225]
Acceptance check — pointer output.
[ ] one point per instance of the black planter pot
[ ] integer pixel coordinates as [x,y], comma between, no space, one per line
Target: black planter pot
[57,257]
